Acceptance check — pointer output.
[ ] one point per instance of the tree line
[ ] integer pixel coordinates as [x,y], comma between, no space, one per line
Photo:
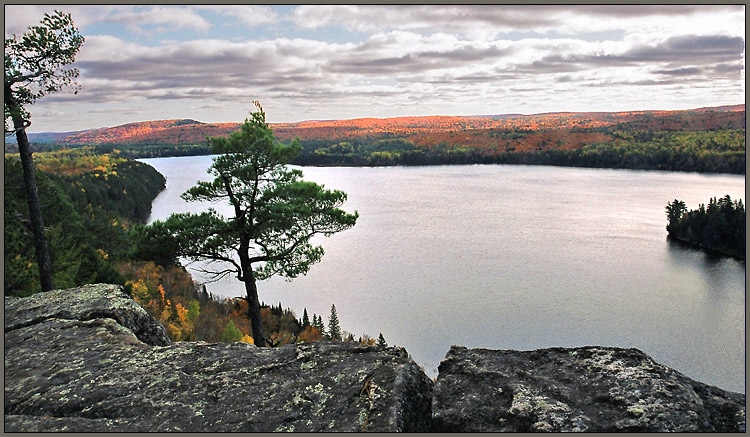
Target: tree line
[619,146]
[190,313]
[717,227]
[716,151]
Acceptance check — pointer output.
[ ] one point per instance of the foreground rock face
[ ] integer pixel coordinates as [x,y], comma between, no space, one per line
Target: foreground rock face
[90,359]
[576,389]
[87,360]
[89,302]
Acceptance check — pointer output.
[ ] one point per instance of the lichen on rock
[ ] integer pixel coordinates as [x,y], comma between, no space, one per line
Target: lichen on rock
[576,389]
[90,359]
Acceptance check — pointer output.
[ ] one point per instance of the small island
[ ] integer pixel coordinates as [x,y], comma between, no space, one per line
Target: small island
[716,228]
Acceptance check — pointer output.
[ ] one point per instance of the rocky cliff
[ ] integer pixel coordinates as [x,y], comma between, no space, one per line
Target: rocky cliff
[90,359]
[576,389]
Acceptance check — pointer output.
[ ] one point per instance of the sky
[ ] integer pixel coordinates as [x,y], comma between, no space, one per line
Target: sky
[314,62]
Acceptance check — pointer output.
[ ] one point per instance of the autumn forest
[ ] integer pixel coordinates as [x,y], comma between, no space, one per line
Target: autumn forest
[701,140]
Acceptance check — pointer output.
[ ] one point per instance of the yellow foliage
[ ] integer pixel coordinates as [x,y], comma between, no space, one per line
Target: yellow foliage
[173,331]
[247,339]
[77,161]
[140,291]
[165,315]
[182,313]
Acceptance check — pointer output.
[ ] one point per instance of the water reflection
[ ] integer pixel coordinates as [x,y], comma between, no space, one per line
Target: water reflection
[516,257]
[721,271]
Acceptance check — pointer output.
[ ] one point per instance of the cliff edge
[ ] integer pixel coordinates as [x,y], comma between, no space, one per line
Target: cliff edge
[599,389]
[90,359]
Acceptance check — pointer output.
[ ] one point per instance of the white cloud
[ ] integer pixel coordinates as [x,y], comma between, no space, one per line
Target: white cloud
[413,60]
[489,21]
[170,16]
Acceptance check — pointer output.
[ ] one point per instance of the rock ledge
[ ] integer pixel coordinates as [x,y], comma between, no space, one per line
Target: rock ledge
[91,359]
[599,389]
[88,359]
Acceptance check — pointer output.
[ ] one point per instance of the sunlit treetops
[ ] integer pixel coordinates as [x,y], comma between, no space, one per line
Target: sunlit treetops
[418,129]
[69,162]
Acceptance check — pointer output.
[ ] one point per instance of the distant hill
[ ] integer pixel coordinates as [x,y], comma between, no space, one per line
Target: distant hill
[418,129]
[44,137]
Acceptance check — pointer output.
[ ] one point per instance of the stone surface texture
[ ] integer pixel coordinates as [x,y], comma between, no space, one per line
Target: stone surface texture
[89,359]
[575,389]
[89,302]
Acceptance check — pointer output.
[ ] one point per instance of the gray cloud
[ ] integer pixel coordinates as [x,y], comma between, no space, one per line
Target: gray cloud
[702,49]
[374,62]
[490,18]
[686,71]
[679,50]
[734,68]
[634,11]
[432,59]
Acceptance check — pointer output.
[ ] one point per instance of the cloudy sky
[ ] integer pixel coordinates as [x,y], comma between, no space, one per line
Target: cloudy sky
[335,62]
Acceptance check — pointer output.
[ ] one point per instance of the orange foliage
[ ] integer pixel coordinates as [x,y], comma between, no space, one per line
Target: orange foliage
[159,132]
[493,140]
[193,132]
[310,335]
[147,282]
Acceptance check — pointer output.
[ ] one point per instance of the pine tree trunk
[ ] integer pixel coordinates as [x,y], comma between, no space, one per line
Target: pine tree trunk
[253,310]
[35,213]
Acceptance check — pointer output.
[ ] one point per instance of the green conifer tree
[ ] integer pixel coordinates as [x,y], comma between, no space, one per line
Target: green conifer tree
[321,326]
[381,340]
[275,214]
[305,319]
[334,330]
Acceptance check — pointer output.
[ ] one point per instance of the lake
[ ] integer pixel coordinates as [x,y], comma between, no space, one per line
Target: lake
[514,257]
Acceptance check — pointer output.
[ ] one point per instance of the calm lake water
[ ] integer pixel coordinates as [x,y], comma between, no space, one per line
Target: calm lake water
[515,257]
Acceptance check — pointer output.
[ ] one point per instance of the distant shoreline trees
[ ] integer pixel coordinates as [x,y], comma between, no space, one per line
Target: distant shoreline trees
[718,227]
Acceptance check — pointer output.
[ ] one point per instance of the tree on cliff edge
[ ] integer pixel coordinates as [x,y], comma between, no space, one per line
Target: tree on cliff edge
[275,214]
[34,65]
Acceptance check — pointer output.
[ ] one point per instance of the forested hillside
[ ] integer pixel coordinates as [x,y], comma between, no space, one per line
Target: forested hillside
[89,203]
[702,140]
[93,206]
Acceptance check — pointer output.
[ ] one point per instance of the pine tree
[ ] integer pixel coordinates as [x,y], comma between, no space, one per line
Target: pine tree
[34,65]
[305,319]
[276,213]
[381,340]
[334,330]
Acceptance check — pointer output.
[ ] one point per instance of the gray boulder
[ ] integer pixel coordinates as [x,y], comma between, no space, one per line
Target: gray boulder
[77,367]
[88,302]
[575,389]
[90,359]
